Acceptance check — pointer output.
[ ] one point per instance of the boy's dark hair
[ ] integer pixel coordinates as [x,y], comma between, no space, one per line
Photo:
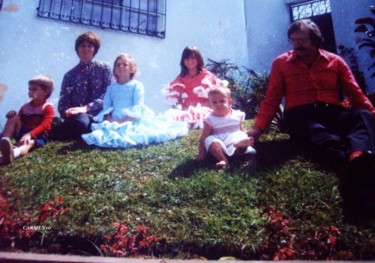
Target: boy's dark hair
[191,51]
[46,84]
[315,35]
[89,37]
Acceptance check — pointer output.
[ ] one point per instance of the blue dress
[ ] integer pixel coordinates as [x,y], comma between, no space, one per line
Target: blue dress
[127,100]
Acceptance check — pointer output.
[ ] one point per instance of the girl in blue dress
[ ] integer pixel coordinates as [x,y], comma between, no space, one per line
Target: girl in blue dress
[125,121]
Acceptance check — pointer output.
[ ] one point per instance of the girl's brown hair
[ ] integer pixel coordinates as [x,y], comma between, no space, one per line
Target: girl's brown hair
[191,51]
[89,37]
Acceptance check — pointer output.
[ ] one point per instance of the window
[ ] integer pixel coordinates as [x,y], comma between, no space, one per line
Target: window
[310,9]
[146,17]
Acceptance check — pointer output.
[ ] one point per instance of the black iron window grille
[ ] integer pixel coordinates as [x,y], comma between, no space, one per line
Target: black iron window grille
[146,17]
[310,9]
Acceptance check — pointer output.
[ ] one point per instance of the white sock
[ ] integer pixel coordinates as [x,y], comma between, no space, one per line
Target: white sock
[16,152]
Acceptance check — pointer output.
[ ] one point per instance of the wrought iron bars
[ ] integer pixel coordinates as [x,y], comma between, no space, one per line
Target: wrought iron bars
[310,9]
[146,17]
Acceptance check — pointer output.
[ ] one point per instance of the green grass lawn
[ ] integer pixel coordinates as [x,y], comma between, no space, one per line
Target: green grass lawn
[193,209]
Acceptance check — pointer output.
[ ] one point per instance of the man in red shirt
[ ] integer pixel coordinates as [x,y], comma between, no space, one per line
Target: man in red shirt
[312,82]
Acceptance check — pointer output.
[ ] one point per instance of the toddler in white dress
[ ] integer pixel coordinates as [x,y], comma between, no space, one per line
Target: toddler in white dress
[223,134]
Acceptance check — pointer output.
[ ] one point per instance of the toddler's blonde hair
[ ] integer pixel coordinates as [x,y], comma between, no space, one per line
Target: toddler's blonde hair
[220,90]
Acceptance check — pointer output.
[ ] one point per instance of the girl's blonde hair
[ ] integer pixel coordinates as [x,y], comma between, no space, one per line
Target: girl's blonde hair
[220,90]
[131,61]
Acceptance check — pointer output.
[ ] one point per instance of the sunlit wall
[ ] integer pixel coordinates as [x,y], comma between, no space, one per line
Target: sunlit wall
[248,32]
[30,45]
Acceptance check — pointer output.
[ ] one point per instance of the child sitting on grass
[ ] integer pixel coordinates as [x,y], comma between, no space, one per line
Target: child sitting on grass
[31,125]
[223,134]
[125,121]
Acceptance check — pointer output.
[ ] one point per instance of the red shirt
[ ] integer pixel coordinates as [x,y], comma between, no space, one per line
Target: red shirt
[300,85]
[183,90]
[37,119]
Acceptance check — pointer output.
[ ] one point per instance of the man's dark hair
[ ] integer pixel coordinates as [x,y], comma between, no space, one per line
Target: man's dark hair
[315,34]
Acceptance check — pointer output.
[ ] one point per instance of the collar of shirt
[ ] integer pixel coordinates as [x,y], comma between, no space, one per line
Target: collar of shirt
[85,64]
[292,56]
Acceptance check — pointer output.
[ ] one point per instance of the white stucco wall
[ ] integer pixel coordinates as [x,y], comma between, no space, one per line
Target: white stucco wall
[30,45]
[267,22]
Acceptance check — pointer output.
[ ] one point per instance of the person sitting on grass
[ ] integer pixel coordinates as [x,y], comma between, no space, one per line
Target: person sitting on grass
[31,125]
[314,83]
[125,121]
[82,90]
[187,93]
[223,134]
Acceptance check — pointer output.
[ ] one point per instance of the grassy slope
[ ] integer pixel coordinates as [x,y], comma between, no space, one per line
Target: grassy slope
[192,206]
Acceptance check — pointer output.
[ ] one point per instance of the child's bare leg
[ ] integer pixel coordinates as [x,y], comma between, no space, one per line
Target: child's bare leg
[217,152]
[244,143]
[12,127]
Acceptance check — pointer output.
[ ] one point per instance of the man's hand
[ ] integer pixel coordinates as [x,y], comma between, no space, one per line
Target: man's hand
[254,132]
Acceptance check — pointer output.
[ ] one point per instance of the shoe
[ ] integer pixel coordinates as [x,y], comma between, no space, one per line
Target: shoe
[6,149]
[358,189]
[363,169]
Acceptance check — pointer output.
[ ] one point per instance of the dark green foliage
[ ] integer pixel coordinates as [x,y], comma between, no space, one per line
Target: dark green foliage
[366,25]
[248,88]
[350,55]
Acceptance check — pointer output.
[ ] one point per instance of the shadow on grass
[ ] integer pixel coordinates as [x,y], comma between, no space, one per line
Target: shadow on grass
[190,167]
[74,146]
[80,145]
[273,154]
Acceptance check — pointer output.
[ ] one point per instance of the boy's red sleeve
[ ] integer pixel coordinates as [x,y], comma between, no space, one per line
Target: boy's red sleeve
[45,125]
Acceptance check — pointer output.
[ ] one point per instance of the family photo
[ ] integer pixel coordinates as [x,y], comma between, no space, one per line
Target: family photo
[168,130]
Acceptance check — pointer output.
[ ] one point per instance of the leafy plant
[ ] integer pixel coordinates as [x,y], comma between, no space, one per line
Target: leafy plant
[313,244]
[353,62]
[125,243]
[367,25]
[248,88]
[16,228]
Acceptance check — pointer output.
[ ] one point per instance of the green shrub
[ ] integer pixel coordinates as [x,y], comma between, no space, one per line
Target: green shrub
[248,88]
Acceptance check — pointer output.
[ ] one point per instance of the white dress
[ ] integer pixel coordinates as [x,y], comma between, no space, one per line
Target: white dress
[226,131]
